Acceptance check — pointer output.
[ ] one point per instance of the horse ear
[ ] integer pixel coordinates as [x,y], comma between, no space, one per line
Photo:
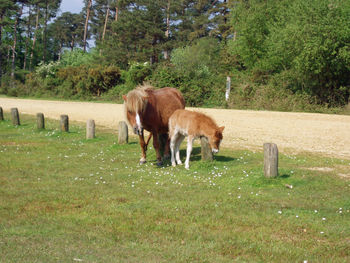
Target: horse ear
[221,129]
[124,97]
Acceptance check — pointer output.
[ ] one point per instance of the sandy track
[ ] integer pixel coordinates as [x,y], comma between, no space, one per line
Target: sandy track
[328,135]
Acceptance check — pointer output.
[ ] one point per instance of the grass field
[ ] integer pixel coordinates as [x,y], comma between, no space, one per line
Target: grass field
[67,199]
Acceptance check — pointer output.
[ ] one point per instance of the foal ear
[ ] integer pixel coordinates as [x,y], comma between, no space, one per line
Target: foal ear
[124,97]
[221,129]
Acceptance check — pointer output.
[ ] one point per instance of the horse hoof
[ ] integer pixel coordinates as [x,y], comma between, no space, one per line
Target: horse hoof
[160,163]
[142,161]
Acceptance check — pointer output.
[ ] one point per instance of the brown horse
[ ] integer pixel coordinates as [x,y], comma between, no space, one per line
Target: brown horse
[194,125]
[150,109]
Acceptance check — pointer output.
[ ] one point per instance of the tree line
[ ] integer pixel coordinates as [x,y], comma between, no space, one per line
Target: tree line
[280,54]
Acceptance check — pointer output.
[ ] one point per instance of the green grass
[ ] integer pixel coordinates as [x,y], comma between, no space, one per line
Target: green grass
[67,199]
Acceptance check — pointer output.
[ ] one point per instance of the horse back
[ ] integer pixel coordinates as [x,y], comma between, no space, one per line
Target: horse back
[162,104]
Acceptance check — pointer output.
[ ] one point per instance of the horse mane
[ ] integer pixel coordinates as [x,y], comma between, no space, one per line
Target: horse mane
[137,98]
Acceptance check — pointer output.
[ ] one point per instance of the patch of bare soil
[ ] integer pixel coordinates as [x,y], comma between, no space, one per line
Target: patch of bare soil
[327,135]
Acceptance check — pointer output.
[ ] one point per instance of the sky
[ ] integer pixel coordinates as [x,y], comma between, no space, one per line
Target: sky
[73,6]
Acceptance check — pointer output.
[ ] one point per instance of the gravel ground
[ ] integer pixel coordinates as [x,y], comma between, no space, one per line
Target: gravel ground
[328,135]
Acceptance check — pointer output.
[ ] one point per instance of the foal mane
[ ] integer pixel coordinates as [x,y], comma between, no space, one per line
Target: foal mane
[137,98]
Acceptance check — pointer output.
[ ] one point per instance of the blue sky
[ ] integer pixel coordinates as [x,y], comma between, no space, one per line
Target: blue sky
[73,6]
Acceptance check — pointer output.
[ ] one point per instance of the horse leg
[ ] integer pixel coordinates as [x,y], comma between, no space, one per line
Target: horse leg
[148,139]
[156,148]
[143,148]
[189,150]
[177,150]
[167,147]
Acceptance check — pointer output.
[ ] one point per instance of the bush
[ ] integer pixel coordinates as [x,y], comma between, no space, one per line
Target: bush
[137,74]
[195,71]
[88,81]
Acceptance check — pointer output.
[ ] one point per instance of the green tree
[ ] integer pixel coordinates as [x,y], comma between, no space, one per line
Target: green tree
[305,43]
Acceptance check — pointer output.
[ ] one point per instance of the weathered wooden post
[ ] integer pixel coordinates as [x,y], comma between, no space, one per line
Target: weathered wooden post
[15,117]
[1,114]
[123,136]
[64,123]
[207,154]
[40,121]
[270,160]
[228,88]
[90,129]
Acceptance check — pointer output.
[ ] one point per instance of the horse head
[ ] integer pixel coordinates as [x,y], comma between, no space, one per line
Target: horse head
[135,103]
[215,140]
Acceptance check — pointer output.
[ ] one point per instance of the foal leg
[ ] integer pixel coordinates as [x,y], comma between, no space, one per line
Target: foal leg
[173,141]
[189,150]
[177,149]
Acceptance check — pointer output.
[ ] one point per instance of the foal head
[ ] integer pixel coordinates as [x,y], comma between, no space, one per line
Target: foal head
[215,139]
[135,103]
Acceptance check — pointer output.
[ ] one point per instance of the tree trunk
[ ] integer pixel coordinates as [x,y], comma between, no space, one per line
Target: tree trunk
[45,30]
[167,32]
[86,23]
[15,43]
[27,40]
[116,11]
[34,38]
[1,56]
[72,43]
[60,52]
[105,25]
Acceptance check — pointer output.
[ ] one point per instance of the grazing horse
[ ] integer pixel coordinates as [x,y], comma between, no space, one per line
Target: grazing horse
[150,109]
[192,124]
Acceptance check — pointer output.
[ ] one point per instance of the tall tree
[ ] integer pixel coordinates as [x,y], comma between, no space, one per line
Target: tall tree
[15,41]
[67,30]
[50,9]
[7,7]
[88,10]
[37,7]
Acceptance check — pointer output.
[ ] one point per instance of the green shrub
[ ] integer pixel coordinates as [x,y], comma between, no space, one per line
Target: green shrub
[195,71]
[307,39]
[88,81]
[77,57]
[137,74]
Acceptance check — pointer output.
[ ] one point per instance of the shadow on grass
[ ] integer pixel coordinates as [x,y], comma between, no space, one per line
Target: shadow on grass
[284,176]
[195,156]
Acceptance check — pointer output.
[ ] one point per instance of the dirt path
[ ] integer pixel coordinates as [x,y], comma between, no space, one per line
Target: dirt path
[328,135]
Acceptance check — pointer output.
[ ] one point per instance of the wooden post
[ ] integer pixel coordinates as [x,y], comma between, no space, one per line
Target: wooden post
[90,129]
[64,123]
[1,114]
[15,117]
[207,154]
[123,136]
[40,121]
[228,88]
[270,160]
